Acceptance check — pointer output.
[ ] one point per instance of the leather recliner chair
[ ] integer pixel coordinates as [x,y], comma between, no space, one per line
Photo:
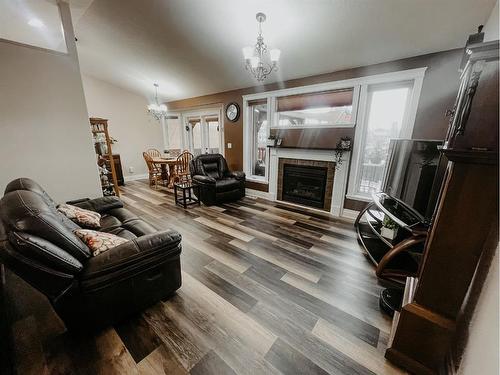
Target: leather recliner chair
[38,244]
[217,184]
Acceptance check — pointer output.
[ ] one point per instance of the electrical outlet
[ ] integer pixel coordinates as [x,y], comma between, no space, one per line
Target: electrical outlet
[229,145]
[131,169]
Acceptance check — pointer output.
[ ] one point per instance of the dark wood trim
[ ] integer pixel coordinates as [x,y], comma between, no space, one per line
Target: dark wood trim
[257,186]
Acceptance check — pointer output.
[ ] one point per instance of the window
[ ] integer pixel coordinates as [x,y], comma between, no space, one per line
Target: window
[213,135]
[258,114]
[380,107]
[385,114]
[313,110]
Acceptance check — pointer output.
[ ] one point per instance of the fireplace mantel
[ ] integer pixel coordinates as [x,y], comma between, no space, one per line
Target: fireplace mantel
[339,182]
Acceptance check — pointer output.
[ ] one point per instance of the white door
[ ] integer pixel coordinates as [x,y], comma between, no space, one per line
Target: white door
[204,133]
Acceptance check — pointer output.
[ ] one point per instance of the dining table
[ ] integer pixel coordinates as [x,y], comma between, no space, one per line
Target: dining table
[168,168]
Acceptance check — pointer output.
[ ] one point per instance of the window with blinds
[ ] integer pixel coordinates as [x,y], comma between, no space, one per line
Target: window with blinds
[319,109]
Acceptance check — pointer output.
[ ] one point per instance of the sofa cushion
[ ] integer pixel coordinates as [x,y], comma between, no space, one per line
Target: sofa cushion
[101,204]
[122,232]
[130,258]
[139,227]
[99,242]
[44,252]
[109,222]
[226,184]
[81,216]
[211,169]
[25,211]
[122,214]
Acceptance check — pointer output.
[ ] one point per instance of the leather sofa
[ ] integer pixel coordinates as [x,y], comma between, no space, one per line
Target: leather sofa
[38,244]
[217,184]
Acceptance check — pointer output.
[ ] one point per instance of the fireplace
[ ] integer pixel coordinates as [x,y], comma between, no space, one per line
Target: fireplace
[304,185]
[306,182]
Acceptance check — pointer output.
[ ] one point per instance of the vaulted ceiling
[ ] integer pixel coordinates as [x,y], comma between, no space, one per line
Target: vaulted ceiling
[193,47]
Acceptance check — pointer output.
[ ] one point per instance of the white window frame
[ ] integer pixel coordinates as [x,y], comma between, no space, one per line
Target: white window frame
[183,118]
[417,77]
[360,85]
[248,140]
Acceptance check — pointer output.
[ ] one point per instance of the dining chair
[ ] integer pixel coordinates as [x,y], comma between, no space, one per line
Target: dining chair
[155,172]
[154,153]
[182,173]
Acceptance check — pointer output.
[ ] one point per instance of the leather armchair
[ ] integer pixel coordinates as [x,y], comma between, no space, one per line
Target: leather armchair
[217,183]
[38,244]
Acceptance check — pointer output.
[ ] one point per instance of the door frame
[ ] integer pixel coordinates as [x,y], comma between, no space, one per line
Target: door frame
[202,113]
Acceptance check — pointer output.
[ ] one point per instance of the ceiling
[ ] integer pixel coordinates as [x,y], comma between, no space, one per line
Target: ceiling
[193,47]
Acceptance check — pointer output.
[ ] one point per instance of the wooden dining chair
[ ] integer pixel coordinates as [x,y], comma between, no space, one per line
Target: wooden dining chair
[155,172]
[154,153]
[182,173]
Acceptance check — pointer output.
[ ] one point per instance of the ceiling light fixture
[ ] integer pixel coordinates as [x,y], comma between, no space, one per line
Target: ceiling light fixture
[35,22]
[255,56]
[157,110]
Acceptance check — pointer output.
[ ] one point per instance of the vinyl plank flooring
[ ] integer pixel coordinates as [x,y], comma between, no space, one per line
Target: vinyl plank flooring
[366,311]
[268,288]
[331,313]
[366,355]
[290,361]
[161,361]
[138,337]
[310,346]
[212,364]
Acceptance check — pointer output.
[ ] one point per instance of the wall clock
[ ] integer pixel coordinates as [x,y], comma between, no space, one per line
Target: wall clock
[233,112]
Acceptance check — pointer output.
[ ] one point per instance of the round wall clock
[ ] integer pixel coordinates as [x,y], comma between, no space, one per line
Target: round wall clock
[233,112]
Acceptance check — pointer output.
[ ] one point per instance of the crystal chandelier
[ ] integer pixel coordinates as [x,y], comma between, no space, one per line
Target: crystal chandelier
[254,56]
[157,110]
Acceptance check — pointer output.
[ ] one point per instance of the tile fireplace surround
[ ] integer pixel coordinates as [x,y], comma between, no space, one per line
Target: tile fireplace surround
[312,157]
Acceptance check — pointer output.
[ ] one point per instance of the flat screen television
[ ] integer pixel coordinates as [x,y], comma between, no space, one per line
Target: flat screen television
[414,173]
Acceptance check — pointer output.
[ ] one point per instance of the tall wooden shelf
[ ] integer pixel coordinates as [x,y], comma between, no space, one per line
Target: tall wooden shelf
[464,220]
[102,145]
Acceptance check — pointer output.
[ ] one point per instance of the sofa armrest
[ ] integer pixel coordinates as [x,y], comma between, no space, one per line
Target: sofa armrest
[129,255]
[198,178]
[101,204]
[236,174]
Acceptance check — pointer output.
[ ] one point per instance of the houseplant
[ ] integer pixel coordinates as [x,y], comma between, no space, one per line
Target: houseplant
[389,228]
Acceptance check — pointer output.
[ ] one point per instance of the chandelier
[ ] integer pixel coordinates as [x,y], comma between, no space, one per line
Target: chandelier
[256,57]
[157,110]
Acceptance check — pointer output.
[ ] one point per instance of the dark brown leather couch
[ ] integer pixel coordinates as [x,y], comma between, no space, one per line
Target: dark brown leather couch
[38,244]
[217,183]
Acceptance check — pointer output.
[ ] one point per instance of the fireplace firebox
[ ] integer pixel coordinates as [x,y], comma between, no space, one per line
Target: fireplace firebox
[304,184]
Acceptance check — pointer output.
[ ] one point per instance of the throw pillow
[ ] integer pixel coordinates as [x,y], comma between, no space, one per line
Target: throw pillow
[99,242]
[82,217]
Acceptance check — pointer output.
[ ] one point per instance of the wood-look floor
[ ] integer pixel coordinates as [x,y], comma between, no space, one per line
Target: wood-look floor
[267,289]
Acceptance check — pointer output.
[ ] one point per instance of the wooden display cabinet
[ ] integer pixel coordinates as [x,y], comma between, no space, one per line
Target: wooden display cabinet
[102,145]
[465,217]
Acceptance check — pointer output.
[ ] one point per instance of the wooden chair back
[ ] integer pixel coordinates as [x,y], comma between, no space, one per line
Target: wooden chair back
[154,153]
[152,167]
[182,166]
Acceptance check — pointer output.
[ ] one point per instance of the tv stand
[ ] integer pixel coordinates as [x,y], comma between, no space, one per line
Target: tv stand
[395,259]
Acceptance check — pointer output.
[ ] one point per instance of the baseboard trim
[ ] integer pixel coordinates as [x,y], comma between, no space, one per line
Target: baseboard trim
[350,214]
[136,177]
[258,194]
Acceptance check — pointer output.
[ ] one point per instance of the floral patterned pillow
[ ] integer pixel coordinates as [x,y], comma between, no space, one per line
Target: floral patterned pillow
[99,242]
[82,217]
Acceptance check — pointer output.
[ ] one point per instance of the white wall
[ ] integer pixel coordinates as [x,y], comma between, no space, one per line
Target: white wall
[491,27]
[129,122]
[481,354]
[44,128]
